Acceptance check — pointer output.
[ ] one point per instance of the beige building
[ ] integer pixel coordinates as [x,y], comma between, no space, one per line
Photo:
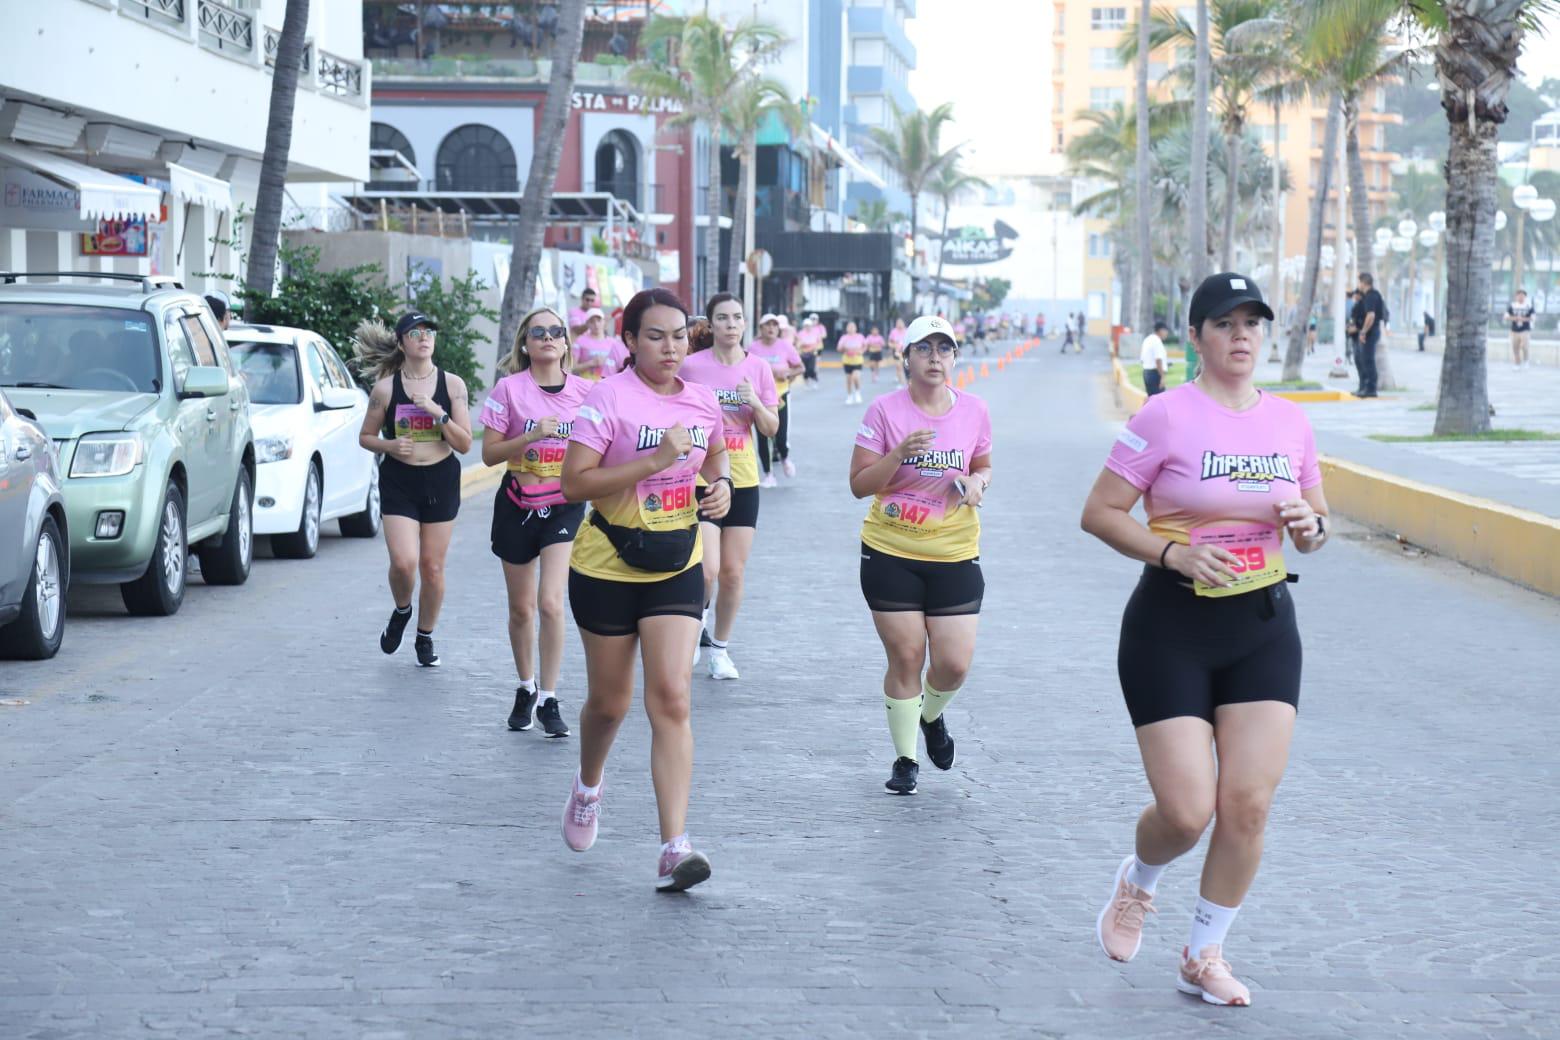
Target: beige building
[1087,73]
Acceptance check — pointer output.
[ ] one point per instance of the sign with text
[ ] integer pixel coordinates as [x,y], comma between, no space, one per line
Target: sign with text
[634,104]
[972,245]
[115,238]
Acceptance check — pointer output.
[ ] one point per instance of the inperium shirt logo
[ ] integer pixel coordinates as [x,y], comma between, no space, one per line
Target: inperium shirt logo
[565,429]
[650,437]
[728,399]
[935,463]
[1248,472]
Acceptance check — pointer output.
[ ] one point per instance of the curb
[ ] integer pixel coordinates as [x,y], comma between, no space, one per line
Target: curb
[1514,544]
[1135,397]
[479,477]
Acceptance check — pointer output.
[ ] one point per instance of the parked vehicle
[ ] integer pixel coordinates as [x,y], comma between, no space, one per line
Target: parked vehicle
[35,551]
[306,411]
[150,424]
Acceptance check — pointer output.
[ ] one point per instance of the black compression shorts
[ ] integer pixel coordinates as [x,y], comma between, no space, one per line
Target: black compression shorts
[895,584]
[615,608]
[1184,654]
[743,511]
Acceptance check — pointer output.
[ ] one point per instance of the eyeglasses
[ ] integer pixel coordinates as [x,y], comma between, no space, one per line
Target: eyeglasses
[926,346]
[548,332]
[419,334]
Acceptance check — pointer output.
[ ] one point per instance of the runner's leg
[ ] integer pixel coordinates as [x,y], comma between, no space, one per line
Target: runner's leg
[609,677]
[520,584]
[666,646]
[714,544]
[555,580]
[434,542]
[736,543]
[1253,744]
[1178,761]
[401,541]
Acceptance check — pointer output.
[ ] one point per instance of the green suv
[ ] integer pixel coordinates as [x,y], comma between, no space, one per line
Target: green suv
[133,383]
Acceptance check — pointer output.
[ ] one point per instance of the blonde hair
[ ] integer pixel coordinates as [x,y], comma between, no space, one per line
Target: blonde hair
[518,360]
[376,350]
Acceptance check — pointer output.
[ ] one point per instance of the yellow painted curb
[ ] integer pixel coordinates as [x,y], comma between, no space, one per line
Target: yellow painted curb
[1129,395]
[479,478]
[1510,543]
[1304,396]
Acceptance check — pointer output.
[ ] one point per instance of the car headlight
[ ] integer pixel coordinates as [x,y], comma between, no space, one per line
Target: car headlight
[273,449]
[106,455]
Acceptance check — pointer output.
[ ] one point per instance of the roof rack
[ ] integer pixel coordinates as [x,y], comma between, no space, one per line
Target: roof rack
[147,282]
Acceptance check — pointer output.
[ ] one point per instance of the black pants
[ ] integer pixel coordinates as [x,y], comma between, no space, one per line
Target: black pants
[781,439]
[1153,382]
[1365,361]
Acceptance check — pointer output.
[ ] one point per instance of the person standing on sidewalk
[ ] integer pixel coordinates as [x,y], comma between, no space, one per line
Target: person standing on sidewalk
[745,390]
[529,417]
[1519,314]
[641,440]
[1367,317]
[923,454]
[418,421]
[785,364]
[1155,359]
[1209,658]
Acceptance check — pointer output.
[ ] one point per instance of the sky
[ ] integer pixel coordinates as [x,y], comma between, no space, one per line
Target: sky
[995,68]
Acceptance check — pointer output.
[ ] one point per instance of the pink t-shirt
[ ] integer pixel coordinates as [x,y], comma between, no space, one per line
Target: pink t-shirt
[852,345]
[705,368]
[599,356]
[920,516]
[896,339]
[577,317]
[782,357]
[622,419]
[809,338]
[1202,465]
[515,406]
[874,342]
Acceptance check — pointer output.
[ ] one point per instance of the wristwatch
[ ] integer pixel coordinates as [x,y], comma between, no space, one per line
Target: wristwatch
[444,419]
[1321,528]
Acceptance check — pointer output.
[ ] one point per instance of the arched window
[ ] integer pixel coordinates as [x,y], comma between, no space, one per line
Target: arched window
[617,166]
[391,177]
[476,158]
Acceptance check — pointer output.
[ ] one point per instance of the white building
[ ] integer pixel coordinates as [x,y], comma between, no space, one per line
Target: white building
[131,131]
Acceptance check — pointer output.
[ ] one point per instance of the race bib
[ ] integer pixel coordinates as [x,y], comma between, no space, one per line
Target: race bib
[666,501]
[411,421]
[1258,552]
[914,512]
[544,458]
[736,441]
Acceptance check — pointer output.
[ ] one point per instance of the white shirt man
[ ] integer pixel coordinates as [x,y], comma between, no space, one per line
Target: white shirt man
[1156,361]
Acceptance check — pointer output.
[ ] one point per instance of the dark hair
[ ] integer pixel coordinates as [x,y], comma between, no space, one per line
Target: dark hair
[218,307]
[701,332]
[588,291]
[1160,325]
[1367,279]
[642,301]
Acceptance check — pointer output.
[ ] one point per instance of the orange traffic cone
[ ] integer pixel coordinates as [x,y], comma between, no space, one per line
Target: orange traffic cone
[1001,362]
[985,371]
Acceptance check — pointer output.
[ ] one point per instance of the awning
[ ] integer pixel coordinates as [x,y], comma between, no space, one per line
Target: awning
[843,154]
[565,207]
[103,195]
[199,189]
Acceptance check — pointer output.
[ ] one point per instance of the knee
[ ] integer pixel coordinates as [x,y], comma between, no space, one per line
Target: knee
[551,608]
[731,576]
[950,675]
[404,568]
[1186,819]
[1244,810]
[667,703]
[432,570]
[904,659]
[522,614]
[607,709]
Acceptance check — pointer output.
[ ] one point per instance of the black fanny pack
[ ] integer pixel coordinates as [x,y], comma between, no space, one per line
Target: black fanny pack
[660,552]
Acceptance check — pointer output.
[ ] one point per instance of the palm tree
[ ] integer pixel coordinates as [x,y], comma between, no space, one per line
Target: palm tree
[261,274]
[913,150]
[755,100]
[949,184]
[526,258]
[1197,202]
[705,67]
[876,215]
[1294,350]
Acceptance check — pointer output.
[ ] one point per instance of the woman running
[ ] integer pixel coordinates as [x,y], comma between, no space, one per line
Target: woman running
[745,390]
[852,346]
[896,344]
[596,354]
[418,420]
[1209,658]
[529,416]
[924,454]
[874,351]
[809,344]
[785,364]
[641,440]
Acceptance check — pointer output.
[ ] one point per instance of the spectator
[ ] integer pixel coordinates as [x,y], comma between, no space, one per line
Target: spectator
[219,310]
[1156,360]
[1426,328]
[1519,313]
[579,316]
[1367,317]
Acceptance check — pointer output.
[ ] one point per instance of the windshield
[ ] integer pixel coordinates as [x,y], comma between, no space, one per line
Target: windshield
[270,370]
[71,347]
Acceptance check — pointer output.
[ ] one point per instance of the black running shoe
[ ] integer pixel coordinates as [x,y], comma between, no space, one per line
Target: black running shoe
[903,780]
[520,714]
[390,638]
[939,745]
[552,719]
[426,658]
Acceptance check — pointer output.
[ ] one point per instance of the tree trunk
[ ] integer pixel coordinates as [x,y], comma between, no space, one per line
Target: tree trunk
[942,243]
[1294,352]
[1124,274]
[739,243]
[531,229]
[1232,151]
[1143,320]
[1276,282]
[1197,201]
[260,276]
[712,205]
[915,225]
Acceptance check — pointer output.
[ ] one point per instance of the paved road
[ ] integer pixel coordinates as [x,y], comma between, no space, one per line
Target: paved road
[246,820]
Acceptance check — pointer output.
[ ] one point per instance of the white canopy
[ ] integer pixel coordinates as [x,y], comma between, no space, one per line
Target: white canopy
[843,154]
[103,195]
[197,188]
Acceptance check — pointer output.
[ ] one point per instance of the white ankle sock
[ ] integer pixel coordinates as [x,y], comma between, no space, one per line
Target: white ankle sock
[1210,924]
[528,684]
[719,644]
[545,695]
[580,788]
[680,841]
[1145,876]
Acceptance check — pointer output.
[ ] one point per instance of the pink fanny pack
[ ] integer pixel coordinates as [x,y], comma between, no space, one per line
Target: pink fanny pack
[535,496]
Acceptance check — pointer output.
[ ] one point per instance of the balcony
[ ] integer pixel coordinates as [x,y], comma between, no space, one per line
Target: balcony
[877,21]
[873,79]
[515,70]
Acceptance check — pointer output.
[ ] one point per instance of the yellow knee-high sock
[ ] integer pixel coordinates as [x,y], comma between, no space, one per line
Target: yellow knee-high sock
[902,718]
[934,701]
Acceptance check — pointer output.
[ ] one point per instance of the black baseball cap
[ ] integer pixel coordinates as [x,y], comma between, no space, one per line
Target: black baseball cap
[410,320]
[1221,293]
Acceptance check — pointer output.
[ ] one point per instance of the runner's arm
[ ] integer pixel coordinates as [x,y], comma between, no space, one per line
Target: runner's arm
[765,419]
[497,451]
[870,472]
[585,479]
[369,438]
[1314,498]
[458,430]
[1107,515]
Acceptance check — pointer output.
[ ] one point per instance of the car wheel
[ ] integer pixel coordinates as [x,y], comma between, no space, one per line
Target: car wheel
[227,562]
[366,523]
[36,634]
[160,591]
[304,542]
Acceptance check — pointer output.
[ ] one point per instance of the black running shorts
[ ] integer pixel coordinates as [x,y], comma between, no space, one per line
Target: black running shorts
[743,511]
[615,608]
[894,584]
[427,494]
[519,535]
[1184,654]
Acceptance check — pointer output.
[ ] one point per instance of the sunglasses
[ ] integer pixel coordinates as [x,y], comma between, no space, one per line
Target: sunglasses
[926,347]
[548,332]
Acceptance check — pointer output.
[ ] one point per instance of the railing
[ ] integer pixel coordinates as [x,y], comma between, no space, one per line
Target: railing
[162,12]
[646,198]
[339,76]
[272,42]
[224,29]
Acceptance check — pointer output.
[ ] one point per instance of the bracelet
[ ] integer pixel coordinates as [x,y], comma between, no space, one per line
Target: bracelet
[1163,553]
[730,484]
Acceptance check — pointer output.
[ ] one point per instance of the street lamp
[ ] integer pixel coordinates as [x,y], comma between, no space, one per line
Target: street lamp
[1525,198]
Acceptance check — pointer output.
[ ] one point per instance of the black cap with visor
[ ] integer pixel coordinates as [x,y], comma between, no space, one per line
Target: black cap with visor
[1221,293]
[410,320]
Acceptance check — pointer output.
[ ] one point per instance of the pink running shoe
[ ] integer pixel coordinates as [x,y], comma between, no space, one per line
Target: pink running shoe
[681,868]
[788,467]
[1120,925]
[579,819]
[1208,976]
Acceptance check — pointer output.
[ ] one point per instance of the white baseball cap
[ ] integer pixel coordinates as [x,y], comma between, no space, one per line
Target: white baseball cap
[594,312]
[928,325]
[785,322]
[768,318]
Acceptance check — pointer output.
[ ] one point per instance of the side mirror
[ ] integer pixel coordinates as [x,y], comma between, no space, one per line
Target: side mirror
[204,381]
[336,398]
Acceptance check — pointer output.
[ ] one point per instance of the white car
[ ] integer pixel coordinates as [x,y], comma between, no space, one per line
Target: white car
[306,411]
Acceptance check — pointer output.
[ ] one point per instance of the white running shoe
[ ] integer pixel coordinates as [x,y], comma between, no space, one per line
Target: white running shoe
[769,481]
[788,467]
[721,666]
